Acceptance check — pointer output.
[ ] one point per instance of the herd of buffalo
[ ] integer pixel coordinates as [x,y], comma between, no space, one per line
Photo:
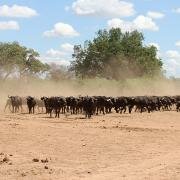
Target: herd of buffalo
[93,105]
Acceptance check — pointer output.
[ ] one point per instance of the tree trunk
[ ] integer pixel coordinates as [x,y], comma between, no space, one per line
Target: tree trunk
[6,76]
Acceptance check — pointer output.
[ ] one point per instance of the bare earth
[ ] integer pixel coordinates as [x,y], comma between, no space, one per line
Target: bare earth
[110,147]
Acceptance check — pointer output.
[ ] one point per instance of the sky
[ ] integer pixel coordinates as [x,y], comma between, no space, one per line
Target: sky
[53,27]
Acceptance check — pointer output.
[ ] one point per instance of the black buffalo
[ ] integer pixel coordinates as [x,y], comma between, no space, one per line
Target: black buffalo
[88,106]
[54,104]
[31,103]
[178,106]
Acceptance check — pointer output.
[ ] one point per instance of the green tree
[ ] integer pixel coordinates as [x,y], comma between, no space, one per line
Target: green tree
[116,55]
[18,59]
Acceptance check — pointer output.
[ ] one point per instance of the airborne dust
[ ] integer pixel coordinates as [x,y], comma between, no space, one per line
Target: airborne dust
[133,87]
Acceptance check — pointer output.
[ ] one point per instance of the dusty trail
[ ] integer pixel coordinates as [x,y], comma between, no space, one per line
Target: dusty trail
[137,146]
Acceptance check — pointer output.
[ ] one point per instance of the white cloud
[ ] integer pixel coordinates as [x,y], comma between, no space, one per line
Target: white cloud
[172,54]
[119,23]
[65,50]
[59,61]
[177,10]
[55,53]
[110,8]
[9,25]
[17,11]
[60,56]
[172,67]
[146,23]
[172,63]
[140,23]
[61,29]
[155,15]
[67,47]
[155,45]
[177,43]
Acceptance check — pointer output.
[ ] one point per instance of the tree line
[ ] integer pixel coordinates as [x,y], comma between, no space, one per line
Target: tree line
[116,55]
[111,55]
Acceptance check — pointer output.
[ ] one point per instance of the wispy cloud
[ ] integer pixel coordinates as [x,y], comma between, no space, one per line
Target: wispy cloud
[9,25]
[140,23]
[17,11]
[103,8]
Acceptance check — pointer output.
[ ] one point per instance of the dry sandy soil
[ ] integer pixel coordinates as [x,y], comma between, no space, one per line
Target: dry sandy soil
[137,146]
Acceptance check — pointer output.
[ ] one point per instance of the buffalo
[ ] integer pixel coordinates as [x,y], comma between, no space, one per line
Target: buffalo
[16,103]
[31,103]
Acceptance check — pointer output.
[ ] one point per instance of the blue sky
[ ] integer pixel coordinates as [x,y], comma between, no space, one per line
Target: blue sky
[53,27]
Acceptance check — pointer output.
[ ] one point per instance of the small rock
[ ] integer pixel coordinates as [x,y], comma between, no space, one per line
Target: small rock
[23,174]
[35,160]
[46,167]
[6,159]
[44,160]
[10,155]
[10,163]
[50,171]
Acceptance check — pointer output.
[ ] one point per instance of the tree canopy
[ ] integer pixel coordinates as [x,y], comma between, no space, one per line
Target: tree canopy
[116,55]
[17,59]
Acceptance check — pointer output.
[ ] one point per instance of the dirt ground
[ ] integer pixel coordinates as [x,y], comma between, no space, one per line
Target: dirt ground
[114,146]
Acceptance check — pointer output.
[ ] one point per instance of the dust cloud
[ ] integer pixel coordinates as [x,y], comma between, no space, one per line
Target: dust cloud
[144,146]
[132,87]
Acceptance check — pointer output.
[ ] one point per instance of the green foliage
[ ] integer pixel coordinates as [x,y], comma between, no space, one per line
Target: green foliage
[17,59]
[116,55]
